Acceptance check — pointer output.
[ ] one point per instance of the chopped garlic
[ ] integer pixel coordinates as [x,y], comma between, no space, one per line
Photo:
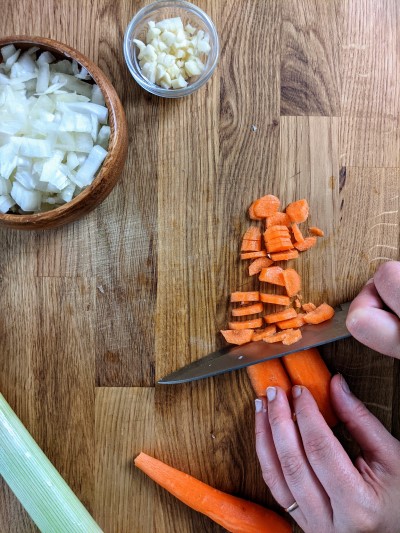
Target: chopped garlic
[171,53]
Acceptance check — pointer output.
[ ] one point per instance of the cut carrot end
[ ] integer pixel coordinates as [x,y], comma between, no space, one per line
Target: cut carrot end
[237,336]
[320,314]
[266,206]
[298,211]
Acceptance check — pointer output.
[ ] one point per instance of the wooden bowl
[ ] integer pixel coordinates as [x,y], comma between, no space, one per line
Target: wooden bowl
[112,166]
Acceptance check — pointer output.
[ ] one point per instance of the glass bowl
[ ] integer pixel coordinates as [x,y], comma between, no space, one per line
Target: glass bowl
[160,10]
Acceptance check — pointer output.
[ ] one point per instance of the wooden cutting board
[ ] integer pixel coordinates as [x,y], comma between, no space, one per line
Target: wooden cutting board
[304,103]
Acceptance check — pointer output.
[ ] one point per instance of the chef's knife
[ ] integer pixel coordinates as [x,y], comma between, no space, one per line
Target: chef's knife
[233,358]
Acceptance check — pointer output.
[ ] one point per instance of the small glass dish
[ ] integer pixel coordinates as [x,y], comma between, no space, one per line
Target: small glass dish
[160,10]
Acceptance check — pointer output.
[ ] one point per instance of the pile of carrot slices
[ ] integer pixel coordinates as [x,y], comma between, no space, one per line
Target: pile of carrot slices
[279,240]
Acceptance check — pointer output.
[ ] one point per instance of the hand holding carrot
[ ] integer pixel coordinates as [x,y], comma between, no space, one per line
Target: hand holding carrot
[373,317]
[310,474]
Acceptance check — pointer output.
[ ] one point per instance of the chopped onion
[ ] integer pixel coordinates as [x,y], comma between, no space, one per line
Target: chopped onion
[53,130]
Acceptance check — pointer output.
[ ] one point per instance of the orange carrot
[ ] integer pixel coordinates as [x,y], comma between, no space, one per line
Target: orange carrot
[247,324]
[266,206]
[253,255]
[260,334]
[274,299]
[253,233]
[297,303]
[252,309]
[238,296]
[308,243]
[308,307]
[268,374]
[316,231]
[320,314]
[307,368]
[279,246]
[280,219]
[285,256]
[276,227]
[250,246]
[258,264]
[298,236]
[292,281]
[292,336]
[234,514]
[237,336]
[272,275]
[251,213]
[277,337]
[280,315]
[298,211]
[296,322]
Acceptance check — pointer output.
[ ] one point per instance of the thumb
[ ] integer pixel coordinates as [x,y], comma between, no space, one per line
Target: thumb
[376,443]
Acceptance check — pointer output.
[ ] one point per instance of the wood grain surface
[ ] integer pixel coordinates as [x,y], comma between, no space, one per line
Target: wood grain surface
[304,103]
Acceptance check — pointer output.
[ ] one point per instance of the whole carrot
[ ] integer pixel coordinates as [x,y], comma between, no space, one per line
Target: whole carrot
[268,374]
[234,514]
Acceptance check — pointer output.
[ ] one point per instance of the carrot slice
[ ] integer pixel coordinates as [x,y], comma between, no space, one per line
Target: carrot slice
[316,231]
[320,314]
[252,309]
[308,243]
[253,296]
[247,324]
[237,336]
[279,219]
[293,335]
[253,233]
[268,374]
[232,513]
[279,246]
[298,211]
[252,214]
[285,256]
[280,315]
[272,275]
[258,264]
[260,334]
[292,281]
[266,206]
[308,307]
[277,337]
[307,368]
[250,246]
[296,322]
[274,299]
[276,227]
[298,236]
[253,255]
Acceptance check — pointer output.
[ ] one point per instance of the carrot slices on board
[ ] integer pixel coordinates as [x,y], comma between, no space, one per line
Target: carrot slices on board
[266,206]
[285,256]
[316,231]
[292,281]
[320,314]
[268,374]
[252,309]
[252,296]
[272,275]
[298,236]
[298,211]
[272,318]
[232,513]
[308,307]
[260,334]
[281,219]
[237,336]
[252,240]
[287,337]
[258,264]
[307,368]
[253,255]
[308,243]
[296,322]
[247,324]
[252,214]
[276,299]
[279,246]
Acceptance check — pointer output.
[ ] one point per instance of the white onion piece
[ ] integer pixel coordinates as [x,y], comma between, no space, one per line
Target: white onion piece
[43,78]
[46,57]
[72,160]
[104,136]
[86,173]
[8,51]
[97,95]
[5,186]
[27,200]
[6,203]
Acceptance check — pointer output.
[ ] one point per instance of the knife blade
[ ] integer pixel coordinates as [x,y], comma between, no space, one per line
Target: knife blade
[233,358]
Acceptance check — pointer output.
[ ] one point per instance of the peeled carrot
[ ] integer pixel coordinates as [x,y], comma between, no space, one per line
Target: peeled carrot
[250,246]
[280,315]
[298,236]
[252,309]
[251,213]
[253,255]
[247,324]
[316,231]
[296,322]
[252,296]
[276,299]
[268,374]
[280,219]
[307,368]
[237,336]
[292,281]
[298,211]
[258,264]
[320,314]
[308,307]
[285,256]
[308,243]
[266,206]
[234,514]
[272,275]
[260,334]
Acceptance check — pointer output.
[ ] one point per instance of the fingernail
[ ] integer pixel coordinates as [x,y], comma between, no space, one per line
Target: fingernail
[259,405]
[344,385]
[271,393]
[296,391]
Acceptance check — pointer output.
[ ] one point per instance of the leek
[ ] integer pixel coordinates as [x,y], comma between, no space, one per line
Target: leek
[36,483]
